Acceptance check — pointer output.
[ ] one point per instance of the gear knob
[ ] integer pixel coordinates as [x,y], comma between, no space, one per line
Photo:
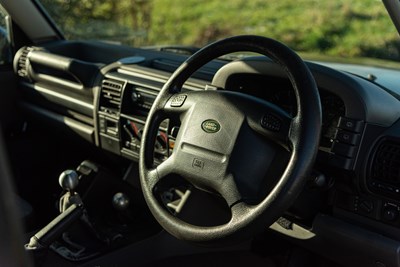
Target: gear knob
[120,201]
[68,180]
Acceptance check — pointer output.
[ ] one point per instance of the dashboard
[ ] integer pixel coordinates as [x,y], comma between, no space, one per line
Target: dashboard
[110,100]
[106,101]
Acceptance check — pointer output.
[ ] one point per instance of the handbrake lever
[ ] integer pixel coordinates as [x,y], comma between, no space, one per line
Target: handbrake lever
[47,235]
[39,243]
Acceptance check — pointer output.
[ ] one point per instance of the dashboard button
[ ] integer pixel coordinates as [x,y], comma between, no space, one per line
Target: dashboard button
[136,97]
[390,212]
[102,124]
[175,131]
[350,124]
[347,137]
[177,101]
[366,206]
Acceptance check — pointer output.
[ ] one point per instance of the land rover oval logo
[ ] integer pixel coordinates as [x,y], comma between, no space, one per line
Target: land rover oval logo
[210,126]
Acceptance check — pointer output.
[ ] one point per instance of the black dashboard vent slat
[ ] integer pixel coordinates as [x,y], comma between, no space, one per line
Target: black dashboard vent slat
[111,92]
[386,163]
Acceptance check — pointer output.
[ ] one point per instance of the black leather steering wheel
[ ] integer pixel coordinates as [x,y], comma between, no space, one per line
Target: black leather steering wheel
[227,139]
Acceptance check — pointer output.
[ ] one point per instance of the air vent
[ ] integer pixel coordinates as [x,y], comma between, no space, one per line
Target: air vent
[111,91]
[386,163]
[22,64]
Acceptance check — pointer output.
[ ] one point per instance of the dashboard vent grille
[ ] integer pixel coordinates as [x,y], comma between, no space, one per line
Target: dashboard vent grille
[386,163]
[22,68]
[111,91]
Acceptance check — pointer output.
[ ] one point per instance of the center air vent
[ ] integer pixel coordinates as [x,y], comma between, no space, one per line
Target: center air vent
[386,163]
[111,91]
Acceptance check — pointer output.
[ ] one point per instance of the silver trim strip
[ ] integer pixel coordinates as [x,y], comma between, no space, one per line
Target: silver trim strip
[60,96]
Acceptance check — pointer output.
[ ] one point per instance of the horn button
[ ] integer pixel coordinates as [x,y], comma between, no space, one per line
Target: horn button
[206,140]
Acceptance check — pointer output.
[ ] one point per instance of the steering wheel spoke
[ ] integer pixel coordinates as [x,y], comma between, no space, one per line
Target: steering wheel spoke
[295,131]
[239,210]
[152,179]
[229,191]
[161,171]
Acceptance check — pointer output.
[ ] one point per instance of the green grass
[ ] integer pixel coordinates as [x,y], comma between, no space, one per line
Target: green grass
[344,28]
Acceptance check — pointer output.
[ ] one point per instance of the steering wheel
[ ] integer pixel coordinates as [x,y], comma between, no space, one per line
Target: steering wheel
[227,140]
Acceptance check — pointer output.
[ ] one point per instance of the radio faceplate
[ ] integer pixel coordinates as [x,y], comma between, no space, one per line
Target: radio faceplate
[137,100]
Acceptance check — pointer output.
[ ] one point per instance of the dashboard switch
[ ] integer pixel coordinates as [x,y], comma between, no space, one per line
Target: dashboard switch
[390,212]
[102,124]
[174,131]
[347,137]
[366,205]
[350,125]
[136,97]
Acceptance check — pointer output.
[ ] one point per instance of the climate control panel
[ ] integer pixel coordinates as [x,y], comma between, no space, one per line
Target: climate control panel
[131,135]
[122,135]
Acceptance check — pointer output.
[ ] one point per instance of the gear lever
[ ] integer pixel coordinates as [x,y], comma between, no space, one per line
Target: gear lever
[69,180]
[122,206]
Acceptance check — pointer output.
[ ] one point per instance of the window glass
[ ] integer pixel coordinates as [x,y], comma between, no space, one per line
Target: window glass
[5,38]
[340,28]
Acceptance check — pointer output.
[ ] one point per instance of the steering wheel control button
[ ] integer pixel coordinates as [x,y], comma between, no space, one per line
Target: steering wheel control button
[347,137]
[350,125]
[210,126]
[271,122]
[177,101]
